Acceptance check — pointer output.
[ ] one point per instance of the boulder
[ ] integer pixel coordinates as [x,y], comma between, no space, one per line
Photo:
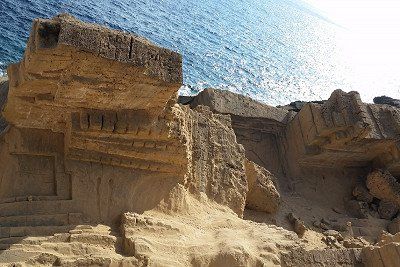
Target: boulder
[262,195]
[387,210]
[299,226]
[331,241]
[357,242]
[361,193]
[384,186]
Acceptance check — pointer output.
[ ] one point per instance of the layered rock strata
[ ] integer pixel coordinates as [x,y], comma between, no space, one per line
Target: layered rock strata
[93,121]
[258,127]
[100,166]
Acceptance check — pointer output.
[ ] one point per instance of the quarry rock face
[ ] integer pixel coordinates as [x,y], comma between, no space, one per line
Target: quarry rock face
[84,104]
[262,195]
[102,165]
[226,102]
[345,131]
[217,160]
[93,121]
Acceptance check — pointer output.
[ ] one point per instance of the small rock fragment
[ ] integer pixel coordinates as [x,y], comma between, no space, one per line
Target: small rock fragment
[262,195]
[384,186]
[387,210]
[321,225]
[334,233]
[298,225]
[331,241]
[357,242]
[361,193]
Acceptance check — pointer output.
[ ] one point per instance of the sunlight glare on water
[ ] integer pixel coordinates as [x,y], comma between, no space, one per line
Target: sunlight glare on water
[369,44]
[275,51]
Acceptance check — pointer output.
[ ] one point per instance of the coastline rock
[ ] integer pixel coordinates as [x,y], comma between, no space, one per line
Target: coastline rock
[327,257]
[101,166]
[3,99]
[387,101]
[226,102]
[262,195]
[298,105]
[258,127]
[344,131]
[78,136]
[185,100]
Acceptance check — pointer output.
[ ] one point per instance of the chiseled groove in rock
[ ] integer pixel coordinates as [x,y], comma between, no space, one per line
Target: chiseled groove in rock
[100,123]
[143,153]
[111,44]
[124,161]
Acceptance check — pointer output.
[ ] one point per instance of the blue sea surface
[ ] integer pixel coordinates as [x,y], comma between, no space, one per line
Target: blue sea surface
[275,51]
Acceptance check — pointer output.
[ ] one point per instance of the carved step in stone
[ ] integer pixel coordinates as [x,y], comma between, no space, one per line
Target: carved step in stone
[34,220]
[33,230]
[41,220]
[6,243]
[30,198]
[36,207]
[9,240]
[103,240]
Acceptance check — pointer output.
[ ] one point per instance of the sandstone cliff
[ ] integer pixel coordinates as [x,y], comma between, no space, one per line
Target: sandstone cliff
[102,165]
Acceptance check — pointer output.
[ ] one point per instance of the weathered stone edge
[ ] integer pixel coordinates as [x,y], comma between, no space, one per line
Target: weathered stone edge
[158,62]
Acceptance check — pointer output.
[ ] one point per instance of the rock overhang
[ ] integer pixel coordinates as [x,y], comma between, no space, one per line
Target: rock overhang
[158,62]
[71,66]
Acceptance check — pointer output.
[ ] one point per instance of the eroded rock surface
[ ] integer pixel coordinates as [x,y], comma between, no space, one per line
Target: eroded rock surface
[387,101]
[204,236]
[99,165]
[217,166]
[384,253]
[257,126]
[384,186]
[344,131]
[262,195]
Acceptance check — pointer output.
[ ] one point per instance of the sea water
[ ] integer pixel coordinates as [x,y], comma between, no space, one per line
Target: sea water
[275,51]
